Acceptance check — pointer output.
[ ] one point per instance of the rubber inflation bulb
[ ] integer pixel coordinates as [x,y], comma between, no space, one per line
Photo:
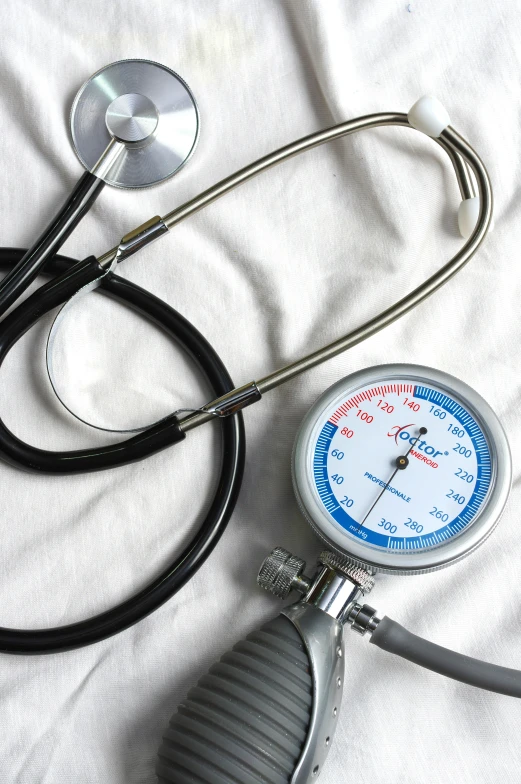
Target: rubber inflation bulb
[248,718]
[429,116]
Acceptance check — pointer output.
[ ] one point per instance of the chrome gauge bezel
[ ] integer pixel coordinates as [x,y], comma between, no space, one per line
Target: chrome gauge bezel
[403,562]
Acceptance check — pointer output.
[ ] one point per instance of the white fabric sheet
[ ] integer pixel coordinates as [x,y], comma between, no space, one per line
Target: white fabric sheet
[285,263]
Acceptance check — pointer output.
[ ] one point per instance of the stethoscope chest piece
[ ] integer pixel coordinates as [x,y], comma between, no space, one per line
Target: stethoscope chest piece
[148,108]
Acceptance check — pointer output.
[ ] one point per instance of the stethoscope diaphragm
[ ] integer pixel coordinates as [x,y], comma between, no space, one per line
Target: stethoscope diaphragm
[146,106]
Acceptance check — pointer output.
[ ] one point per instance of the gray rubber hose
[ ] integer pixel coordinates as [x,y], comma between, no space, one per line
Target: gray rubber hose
[247,719]
[392,637]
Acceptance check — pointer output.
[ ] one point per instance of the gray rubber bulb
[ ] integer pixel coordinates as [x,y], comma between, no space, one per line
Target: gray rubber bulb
[247,719]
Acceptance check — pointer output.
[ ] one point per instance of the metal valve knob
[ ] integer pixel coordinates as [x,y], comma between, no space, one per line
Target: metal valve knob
[281,572]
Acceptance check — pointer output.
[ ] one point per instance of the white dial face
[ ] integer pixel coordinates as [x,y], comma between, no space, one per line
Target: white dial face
[399,465]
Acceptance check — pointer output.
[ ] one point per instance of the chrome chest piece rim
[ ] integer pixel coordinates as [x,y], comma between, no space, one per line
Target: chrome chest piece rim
[143,104]
[320,512]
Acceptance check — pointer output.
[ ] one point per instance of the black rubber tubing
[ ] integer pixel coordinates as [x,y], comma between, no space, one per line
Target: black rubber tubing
[151,440]
[393,638]
[81,199]
[171,579]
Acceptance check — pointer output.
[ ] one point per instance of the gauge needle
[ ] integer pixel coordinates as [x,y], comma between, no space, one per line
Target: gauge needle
[401,463]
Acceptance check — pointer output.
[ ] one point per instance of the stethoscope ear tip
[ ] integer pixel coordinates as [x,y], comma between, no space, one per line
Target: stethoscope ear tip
[147,110]
[468,214]
[429,116]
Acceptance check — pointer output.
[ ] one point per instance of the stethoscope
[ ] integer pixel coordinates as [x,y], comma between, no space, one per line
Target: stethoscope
[134,124]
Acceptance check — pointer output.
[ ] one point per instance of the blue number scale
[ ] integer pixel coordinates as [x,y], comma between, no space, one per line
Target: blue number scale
[403,467]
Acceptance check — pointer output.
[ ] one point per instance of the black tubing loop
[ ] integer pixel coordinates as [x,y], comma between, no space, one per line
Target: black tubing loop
[83,196]
[182,568]
[155,438]
[394,638]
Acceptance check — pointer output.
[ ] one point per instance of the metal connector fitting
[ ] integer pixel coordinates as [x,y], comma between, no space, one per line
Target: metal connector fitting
[346,567]
[335,589]
[234,401]
[145,234]
[363,619]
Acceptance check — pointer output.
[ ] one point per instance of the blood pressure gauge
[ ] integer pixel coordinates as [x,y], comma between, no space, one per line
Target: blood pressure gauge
[403,468]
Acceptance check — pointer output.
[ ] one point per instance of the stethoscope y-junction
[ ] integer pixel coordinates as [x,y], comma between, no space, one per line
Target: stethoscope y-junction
[134,124]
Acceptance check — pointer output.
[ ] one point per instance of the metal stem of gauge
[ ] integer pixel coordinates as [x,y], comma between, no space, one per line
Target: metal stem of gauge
[461,155]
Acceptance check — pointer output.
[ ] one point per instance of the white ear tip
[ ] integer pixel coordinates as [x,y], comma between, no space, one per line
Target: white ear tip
[429,116]
[468,213]
[468,216]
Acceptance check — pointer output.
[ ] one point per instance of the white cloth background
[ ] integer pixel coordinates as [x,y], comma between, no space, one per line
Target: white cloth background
[285,263]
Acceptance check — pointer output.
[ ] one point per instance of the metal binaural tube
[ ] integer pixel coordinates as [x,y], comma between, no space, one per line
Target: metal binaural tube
[407,303]
[302,145]
[461,170]
[461,155]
